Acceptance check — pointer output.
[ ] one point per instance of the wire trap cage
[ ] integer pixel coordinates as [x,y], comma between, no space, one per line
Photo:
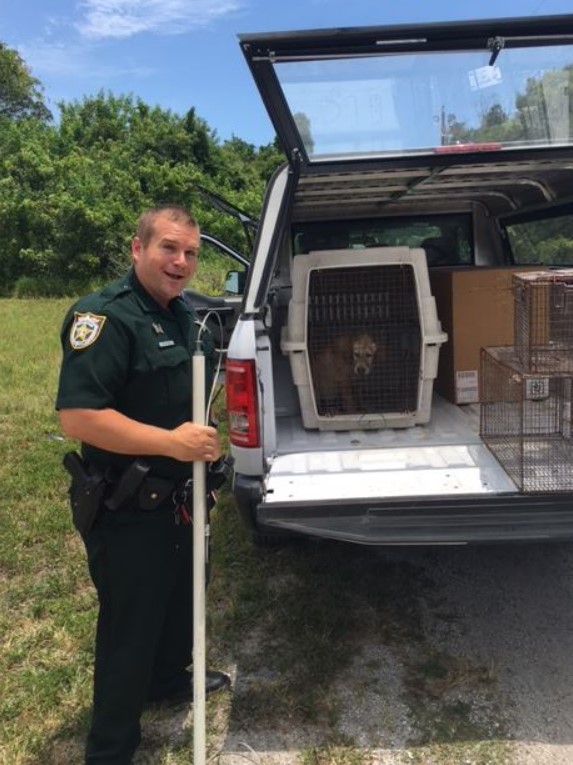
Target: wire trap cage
[543,320]
[526,422]
[363,338]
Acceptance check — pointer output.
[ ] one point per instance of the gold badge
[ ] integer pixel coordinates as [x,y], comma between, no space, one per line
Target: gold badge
[85,329]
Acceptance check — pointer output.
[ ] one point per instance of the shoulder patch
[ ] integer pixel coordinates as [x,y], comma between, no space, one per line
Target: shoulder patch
[85,329]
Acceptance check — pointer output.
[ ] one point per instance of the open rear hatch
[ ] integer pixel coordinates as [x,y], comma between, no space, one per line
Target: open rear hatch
[478,109]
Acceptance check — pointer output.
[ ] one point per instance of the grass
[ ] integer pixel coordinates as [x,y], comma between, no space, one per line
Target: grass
[291,621]
[46,618]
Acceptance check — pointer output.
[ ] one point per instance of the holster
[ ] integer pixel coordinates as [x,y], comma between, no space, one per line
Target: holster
[87,492]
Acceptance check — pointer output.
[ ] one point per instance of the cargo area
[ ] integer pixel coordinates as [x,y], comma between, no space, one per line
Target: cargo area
[443,457]
[489,434]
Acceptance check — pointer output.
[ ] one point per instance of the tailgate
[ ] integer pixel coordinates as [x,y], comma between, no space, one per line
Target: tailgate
[420,472]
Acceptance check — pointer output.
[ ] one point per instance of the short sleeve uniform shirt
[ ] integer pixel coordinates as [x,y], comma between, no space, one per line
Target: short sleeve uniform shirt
[122,351]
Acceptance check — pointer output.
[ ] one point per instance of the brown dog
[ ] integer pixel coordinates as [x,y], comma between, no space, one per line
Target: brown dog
[336,367]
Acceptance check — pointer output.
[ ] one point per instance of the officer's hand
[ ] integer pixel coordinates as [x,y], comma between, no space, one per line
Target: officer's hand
[193,442]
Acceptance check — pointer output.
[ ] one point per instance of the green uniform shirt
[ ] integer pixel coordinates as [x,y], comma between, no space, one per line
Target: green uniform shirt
[123,351]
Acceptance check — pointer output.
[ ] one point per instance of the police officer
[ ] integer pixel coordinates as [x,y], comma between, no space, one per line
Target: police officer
[125,393]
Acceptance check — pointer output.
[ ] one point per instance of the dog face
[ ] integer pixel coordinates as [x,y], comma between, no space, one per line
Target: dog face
[363,353]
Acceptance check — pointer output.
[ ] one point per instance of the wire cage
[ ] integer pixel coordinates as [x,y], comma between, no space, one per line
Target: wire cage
[363,338]
[526,422]
[543,320]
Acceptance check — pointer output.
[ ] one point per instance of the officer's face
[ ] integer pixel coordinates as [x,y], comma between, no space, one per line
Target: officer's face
[165,265]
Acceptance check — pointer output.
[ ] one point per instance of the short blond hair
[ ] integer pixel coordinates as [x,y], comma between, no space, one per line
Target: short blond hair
[146,222]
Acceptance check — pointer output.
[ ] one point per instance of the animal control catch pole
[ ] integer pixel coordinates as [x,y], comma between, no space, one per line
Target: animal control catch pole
[200,539]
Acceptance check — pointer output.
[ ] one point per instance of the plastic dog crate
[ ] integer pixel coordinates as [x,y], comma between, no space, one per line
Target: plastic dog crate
[363,338]
[526,422]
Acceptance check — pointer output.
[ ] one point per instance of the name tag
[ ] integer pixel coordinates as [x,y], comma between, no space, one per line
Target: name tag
[166,343]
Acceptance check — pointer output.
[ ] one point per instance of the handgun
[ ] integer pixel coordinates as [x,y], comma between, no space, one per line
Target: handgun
[75,466]
[128,485]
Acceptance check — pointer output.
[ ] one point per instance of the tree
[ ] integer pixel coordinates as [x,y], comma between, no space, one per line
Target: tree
[545,108]
[303,124]
[201,138]
[71,191]
[20,93]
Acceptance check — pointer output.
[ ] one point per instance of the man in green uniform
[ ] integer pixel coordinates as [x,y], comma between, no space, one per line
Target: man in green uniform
[125,393]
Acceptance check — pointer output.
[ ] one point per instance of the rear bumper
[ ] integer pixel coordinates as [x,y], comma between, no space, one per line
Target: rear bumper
[439,521]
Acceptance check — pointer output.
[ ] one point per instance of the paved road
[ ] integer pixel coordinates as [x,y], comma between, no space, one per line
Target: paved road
[514,611]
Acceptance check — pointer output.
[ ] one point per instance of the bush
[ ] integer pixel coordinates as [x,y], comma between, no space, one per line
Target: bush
[36,287]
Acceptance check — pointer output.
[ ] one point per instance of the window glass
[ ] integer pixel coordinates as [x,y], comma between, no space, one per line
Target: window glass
[424,102]
[547,242]
[447,239]
[212,270]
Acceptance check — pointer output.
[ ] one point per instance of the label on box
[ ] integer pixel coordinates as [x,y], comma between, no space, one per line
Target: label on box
[536,388]
[467,388]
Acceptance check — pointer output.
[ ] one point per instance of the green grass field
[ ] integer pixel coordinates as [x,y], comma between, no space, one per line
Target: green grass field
[47,607]
[47,603]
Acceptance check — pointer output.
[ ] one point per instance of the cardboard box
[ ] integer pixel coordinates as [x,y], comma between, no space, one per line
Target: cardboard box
[475,307]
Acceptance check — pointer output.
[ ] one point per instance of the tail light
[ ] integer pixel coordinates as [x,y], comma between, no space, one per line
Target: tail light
[242,403]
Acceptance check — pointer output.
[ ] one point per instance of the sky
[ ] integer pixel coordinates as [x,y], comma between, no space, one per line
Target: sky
[179,54]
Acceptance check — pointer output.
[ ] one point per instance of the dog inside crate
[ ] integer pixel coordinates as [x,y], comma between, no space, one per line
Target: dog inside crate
[364,339]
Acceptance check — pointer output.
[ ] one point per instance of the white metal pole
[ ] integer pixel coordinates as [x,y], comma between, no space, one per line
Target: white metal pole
[200,532]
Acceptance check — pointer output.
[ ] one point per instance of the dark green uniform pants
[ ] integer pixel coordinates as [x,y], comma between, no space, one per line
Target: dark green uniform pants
[141,565]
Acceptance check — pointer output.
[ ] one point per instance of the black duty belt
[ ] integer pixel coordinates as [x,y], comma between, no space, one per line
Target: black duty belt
[135,488]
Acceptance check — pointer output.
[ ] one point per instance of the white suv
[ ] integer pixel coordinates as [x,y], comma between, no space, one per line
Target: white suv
[380,381]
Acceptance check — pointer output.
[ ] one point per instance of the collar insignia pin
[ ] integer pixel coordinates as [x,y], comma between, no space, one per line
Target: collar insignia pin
[157,328]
